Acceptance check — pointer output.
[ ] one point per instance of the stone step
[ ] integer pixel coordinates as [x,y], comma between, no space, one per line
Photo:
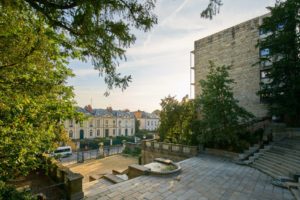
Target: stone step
[266,170]
[280,151]
[288,154]
[289,145]
[285,150]
[113,178]
[89,187]
[272,167]
[284,159]
[280,164]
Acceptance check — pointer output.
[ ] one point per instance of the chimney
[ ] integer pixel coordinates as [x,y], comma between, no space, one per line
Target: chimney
[88,108]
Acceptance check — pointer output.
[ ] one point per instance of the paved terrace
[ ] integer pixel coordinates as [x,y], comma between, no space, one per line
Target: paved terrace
[202,178]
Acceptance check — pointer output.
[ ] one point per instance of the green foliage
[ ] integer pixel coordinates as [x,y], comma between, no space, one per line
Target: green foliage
[144,133]
[94,143]
[133,152]
[176,119]
[137,126]
[212,9]
[221,116]
[33,96]
[282,91]
[8,192]
[98,30]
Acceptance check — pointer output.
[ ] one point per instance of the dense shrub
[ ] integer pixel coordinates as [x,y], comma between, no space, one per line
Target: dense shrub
[94,143]
[8,192]
[133,152]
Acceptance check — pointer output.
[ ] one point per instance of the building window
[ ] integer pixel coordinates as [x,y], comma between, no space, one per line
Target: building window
[148,123]
[119,132]
[114,122]
[70,134]
[91,133]
[106,122]
[151,123]
[98,133]
[132,131]
[264,52]
[71,123]
[114,132]
[91,123]
[98,123]
[81,124]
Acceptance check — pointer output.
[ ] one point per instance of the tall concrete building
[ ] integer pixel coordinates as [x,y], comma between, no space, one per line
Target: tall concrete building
[235,46]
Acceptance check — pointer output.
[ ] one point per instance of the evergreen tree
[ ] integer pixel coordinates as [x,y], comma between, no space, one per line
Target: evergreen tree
[221,118]
[282,44]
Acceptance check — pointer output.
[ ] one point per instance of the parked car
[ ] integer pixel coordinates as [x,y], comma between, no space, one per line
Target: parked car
[64,151]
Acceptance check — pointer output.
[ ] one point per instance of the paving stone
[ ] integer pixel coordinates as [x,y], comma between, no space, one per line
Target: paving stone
[202,178]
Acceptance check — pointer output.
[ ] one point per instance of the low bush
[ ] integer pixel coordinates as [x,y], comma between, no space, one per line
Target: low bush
[9,192]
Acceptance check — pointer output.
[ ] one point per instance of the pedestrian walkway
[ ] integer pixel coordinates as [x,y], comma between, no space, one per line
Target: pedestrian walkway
[202,178]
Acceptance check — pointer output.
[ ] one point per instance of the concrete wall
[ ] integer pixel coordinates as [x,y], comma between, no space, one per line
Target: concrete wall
[152,149]
[234,46]
[72,182]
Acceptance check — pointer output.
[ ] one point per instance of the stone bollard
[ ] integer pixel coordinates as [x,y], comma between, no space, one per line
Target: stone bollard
[74,186]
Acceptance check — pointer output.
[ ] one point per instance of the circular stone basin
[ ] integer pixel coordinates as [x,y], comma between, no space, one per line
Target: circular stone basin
[163,167]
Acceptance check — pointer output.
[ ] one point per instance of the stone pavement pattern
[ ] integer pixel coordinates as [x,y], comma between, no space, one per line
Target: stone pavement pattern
[102,166]
[202,178]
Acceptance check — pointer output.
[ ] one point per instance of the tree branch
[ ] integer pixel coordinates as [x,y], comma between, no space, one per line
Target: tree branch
[53,21]
[129,8]
[56,6]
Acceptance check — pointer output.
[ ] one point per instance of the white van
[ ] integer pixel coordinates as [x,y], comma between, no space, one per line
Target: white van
[63,151]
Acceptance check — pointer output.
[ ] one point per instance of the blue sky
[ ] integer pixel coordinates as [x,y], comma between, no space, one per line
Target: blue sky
[159,61]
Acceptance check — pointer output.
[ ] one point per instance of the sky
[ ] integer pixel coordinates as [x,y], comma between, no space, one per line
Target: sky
[159,61]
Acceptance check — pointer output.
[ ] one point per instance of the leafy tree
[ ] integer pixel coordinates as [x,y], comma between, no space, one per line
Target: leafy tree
[176,119]
[137,126]
[98,30]
[221,116]
[33,97]
[156,112]
[282,91]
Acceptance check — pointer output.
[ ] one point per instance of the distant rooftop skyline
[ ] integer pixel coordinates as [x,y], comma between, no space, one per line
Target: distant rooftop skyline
[159,62]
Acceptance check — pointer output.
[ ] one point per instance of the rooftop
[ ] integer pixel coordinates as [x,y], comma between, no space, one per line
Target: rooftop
[202,177]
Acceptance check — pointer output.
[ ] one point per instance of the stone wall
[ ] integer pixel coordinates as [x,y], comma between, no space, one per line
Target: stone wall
[71,182]
[152,149]
[234,46]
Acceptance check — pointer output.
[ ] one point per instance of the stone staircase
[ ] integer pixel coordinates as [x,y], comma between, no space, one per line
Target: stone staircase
[96,186]
[280,159]
[90,188]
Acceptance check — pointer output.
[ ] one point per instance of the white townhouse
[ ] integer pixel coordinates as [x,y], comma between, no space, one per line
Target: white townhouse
[148,121]
[101,123]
